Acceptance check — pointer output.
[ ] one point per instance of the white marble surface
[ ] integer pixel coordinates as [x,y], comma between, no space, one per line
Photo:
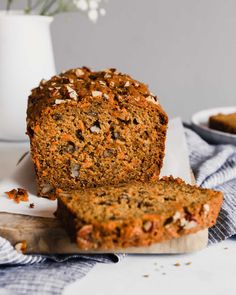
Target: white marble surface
[212,271]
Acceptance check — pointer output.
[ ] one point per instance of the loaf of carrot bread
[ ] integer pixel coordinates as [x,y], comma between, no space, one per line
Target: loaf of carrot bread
[136,214]
[89,129]
[223,122]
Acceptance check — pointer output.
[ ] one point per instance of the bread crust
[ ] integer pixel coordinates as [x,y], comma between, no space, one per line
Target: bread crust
[223,122]
[89,129]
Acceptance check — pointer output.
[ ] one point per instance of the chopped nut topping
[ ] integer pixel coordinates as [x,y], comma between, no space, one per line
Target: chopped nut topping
[127,84]
[102,83]
[55,93]
[72,92]
[96,93]
[21,247]
[152,99]
[107,75]
[79,72]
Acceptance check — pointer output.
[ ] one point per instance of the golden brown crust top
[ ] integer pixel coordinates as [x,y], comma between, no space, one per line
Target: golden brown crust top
[80,84]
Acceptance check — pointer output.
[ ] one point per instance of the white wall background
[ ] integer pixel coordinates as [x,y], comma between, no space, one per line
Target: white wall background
[185,50]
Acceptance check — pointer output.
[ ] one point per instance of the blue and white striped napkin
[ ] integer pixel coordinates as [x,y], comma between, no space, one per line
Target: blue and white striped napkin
[214,166]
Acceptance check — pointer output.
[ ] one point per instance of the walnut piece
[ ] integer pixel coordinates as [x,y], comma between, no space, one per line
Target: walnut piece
[96,93]
[152,99]
[74,172]
[176,216]
[147,226]
[59,101]
[206,209]
[72,93]
[79,72]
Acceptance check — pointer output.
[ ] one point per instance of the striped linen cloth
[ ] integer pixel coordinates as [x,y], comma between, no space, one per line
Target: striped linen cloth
[41,274]
[213,166]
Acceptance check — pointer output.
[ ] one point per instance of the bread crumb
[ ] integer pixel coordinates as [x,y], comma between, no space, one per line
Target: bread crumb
[18,195]
[21,247]
[145,276]
[177,264]
[31,205]
[188,263]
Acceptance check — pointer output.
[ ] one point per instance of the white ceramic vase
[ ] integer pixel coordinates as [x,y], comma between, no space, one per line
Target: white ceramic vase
[26,57]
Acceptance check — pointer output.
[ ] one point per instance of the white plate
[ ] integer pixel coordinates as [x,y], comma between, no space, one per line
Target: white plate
[200,125]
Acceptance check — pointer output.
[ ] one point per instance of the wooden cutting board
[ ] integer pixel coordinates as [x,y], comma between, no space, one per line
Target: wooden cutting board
[46,236]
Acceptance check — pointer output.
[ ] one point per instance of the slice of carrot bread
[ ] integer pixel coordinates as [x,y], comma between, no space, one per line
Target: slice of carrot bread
[136,214]
[89,129]
[222,122]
